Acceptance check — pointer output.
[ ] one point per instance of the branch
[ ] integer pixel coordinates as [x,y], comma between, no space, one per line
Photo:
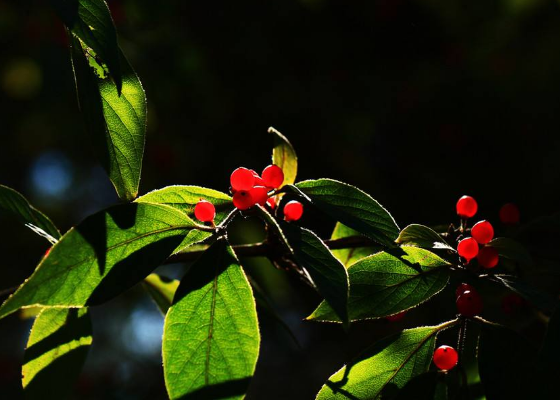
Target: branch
[264,249]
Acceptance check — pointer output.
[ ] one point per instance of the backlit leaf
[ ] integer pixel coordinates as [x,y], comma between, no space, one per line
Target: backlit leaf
[284,155]
[350,255]
[161,289]
[422,236]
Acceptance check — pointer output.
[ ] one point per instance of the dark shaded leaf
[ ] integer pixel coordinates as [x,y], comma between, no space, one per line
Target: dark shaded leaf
[389,282]
[211,334]
[541,300]
[56,350]
[512,250]
[351,206]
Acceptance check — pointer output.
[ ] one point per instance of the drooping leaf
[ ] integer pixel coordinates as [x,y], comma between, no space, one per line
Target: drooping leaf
[422,236]
[161,289]
[537,298]
[185,198]
[101,257]
[211,334]
[512,250]
[273,225]
[13,203]
[505,362]
[91,22]
[389,282]
[351,206]
[328,273]
[116,122]
[350,255]
[56,350]
[284,155]
[384,368]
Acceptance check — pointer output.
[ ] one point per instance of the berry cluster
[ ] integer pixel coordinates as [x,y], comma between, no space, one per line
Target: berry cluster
[248,189]
[476,245]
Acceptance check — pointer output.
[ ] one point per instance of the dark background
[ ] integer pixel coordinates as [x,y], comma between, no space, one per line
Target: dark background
[415,102]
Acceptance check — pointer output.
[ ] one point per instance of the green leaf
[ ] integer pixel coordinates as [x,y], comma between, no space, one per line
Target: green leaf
[505,362]
[104,255]
[537,298]
[91,22]
[385,367]
[272,225]
[351,255]
[56,350]
[389,282]
[422,236]
[116,121]
[284,155]
[353,207]
[328,274]
[13,203]
[512,250]
[161,289]
[211,334]
[184,198]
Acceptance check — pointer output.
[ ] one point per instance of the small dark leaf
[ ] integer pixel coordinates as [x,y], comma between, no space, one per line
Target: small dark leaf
[352,207]
[422,236]
[389,282]
[211,334]
[56,350]
[328,274]
[13,203]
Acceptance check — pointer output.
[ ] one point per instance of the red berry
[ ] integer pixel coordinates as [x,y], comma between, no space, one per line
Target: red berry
[273,176]
[243,200]
[488,257]
[482,232]
[462,288]
[445,357]
[259,195]
[258,180]
[468,248]
[466,207]
[293,210]
[271,202]
[242,179]
[509,214]
[396,317]
[469,304]
[204,211]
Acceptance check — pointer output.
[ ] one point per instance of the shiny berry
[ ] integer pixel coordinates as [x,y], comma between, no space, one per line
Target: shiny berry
[273,176]
[258,179]
[293,210]
[204,211]
[396,317]
[271,203]
[509,214]
[242,179]
[469,304]
[468,248]
[462,288]
[466,207]
[482,232]
[243,200]
[488,257]
[259,195]
[445,357]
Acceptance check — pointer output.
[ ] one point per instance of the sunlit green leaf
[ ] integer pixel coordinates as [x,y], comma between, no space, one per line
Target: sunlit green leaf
[384,368]
[91,22]
[184,198]
[284,155]
[14,204]
[211,334]
[328,273]
[116,122]
[101,257]
[353,207]
[350,255]
[162,290]
[422,236]
[56,350]
[389,282]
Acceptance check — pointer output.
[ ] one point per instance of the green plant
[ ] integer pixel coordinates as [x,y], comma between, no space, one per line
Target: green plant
[368,269]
